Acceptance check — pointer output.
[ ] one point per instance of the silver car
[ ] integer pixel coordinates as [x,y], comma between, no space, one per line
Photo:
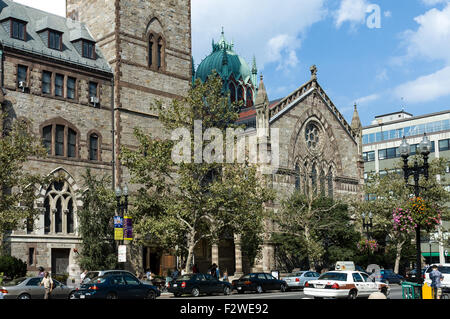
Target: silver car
[297,280]
[28,288]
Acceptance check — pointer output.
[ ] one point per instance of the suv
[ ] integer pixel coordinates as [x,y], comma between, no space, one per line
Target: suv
[101,273]
[445,270]
[390,277]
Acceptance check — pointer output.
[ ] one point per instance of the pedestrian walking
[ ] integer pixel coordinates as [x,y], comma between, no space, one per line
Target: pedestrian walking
[436,278]
[225,276]
[47,282]
[41,272]
[217,272]
[175,274]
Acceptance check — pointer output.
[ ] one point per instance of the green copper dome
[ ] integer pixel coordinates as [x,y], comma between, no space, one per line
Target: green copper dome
[226,63]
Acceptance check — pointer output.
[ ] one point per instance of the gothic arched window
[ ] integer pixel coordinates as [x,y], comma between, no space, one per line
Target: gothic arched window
[232,92]
[322,183]
[249,97]
[305,180]
[156,45]
[240,95]
[59,214]
[60,138]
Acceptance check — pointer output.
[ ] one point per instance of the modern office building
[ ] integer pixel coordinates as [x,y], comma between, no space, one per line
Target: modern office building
[381,141]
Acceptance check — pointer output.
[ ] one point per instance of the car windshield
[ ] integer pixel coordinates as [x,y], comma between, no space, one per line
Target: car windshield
[338,276]
[95,280]
[14,282]
[442,269]
[299,273]
[89,276]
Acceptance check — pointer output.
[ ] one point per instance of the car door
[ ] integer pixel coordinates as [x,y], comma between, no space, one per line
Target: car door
[58,291]
[263,282]
[213,284]
[360,284]
[33,289]
[370,285]
[134,289]
[118,285]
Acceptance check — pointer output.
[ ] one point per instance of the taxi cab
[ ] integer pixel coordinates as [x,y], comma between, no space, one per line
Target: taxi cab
[344,284]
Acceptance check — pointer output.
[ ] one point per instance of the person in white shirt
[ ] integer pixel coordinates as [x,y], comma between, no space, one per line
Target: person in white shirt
[48,285]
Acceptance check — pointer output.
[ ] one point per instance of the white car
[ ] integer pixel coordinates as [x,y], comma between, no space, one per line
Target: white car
[445,270]
[344,284]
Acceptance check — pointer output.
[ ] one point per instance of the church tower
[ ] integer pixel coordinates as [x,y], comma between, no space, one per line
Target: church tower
[148,46]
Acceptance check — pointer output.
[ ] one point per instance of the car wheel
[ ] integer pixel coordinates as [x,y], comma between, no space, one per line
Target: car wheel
[227,291]
[111,295]
[259,289]
[352,294]
[24,296]
[195,292]
[283,288]
[151,295]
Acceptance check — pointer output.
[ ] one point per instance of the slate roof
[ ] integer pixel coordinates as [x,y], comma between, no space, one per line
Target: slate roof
[37,21]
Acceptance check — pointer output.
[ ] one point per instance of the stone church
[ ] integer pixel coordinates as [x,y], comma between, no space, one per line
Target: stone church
[84,82]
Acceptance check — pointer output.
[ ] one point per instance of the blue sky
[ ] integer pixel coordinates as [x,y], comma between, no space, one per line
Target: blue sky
[403,63]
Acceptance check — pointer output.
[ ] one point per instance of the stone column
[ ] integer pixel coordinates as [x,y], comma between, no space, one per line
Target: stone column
[238,256]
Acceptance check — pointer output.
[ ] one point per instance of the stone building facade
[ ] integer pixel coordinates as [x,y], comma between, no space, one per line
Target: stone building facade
[86,81]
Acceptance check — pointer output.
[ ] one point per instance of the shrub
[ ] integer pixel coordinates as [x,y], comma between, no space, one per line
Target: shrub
[12,267]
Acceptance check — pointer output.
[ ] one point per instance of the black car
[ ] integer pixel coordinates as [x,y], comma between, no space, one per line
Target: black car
[411,275]
[390,277]
[259,282]
[120,285]
[197,284]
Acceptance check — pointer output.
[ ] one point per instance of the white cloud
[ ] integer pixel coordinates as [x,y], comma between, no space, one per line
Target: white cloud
[270,30]
[433,2]
[426,88]
[353,11]
[363,101]
[53,6]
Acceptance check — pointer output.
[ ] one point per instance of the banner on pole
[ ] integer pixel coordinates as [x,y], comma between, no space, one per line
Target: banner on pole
[118,228]
[122,253]
[127,228]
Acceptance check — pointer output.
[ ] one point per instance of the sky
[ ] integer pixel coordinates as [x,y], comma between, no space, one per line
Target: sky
[383,55]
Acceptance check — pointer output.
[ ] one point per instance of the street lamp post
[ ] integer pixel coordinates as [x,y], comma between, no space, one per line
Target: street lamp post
[416,171]
[367,226]
[122,204]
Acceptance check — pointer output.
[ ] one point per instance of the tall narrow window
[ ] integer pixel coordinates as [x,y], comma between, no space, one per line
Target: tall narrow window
[314,179]
[305,180]
[46,82]
[70,219]
[22,74]
[47,139]
[18,30]
[240,95]
[249,97]
[297,177]
[322,183]
[160,53]
[59,140]
[58,216]
[93,147]
[71,143]
[47,216]
[232,92]
[330,184]
[30,256]
[71,88]
[93,89]
[59,85]
[151,45]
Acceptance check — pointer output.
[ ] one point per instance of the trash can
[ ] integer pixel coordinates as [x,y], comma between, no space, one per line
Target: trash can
[411,290]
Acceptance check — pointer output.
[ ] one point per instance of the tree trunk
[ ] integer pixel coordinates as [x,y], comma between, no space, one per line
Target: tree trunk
[308,250]
[191,246]
[398,256]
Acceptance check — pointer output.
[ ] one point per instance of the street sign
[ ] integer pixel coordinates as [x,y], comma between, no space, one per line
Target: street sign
[122,253]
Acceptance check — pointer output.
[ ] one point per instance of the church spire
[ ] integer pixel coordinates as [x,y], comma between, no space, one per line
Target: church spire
[356,122]
[254,72]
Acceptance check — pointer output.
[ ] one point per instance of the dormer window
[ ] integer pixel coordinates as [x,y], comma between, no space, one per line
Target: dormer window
[18,29]
[88,50]
[55,40]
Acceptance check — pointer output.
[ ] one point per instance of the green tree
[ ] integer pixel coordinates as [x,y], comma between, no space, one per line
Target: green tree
[319,229]
[18,187]
[98,248]
[180,203]
[388,192]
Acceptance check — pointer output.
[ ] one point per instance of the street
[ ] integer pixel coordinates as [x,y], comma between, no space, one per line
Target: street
[396,293]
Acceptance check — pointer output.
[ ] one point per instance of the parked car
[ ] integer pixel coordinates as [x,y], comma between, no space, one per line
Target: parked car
[390,277]
[28,288]
[101,273]
[197,284]
[297,280]
[445,270]
[116,285]
[344,284]
[259,282]
[411,275]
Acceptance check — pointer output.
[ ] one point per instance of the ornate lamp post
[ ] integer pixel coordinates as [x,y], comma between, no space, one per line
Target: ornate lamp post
[122,204]
[416,171]
[367,226]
